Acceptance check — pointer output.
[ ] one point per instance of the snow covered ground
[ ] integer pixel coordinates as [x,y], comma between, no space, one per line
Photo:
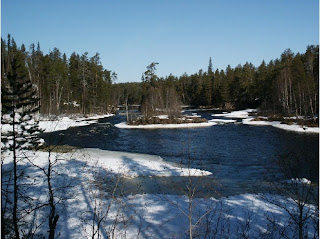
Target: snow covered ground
[277,124]
[85,181]
[124,125]
[63,123]
[222,121]
[133,165]
[249,120]
[240,114]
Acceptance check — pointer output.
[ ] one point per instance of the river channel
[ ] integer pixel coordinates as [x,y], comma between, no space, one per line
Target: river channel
[242,158]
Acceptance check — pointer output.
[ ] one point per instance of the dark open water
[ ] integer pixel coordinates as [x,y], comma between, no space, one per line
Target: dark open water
[242,158]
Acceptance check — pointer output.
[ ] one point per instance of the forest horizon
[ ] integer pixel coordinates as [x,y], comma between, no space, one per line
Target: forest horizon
[80,84]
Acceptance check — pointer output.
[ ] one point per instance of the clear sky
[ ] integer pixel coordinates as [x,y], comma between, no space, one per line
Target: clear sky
[179,34]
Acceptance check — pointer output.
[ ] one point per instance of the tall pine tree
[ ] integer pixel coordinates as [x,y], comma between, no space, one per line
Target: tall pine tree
[19,104]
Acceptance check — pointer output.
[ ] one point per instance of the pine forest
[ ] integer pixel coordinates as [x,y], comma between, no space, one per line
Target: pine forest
[286,86]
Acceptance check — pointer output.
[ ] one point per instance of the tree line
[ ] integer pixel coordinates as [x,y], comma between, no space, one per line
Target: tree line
[78,84]
[288,85]
[285,86]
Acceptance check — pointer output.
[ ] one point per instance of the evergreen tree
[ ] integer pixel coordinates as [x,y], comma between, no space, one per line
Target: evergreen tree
[3,58]
[150,75]
[150,93]
[206,91]
[210,71]
[74,94]
[300,85]
[84,76]
[261,83]
[19,104]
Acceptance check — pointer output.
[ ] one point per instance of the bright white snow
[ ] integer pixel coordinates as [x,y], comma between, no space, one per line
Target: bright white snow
[249,120]
[277,124]
[240,114]
[162,116]
[223,121]
[299,181]
[147,215]
[124,125]
[63,123]
[133,165]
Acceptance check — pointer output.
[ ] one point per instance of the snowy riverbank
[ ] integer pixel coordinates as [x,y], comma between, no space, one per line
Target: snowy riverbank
[90,182]
[85,181]
[250,120]
[56,123]
[277,124]
[226,118]
[134,165]
[63,123]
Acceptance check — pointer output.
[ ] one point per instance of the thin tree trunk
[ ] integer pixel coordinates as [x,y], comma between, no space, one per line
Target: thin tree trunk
[50,102]
[310,101]
[300,222]
[167,100]
[59,100]
[190,204]
[295,105]
[315,103]
[290,93]
[53,218]
[15,181]
[127,113]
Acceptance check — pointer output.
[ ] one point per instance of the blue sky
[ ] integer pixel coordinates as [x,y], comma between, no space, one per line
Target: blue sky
[179,34]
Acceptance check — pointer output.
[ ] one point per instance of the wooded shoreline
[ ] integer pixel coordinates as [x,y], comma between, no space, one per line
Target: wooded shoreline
[286,87]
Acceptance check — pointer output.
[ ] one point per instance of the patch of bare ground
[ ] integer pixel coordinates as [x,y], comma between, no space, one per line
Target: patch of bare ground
[171,119]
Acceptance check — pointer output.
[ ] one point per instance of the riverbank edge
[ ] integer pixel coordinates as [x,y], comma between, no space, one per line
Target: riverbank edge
[254,118]
[82,169]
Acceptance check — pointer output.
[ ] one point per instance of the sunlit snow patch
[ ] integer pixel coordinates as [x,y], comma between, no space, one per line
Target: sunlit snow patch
[222,121]
[124,125]
[240,114]
[277,124]
[63,123]
[299,181]
[134,165]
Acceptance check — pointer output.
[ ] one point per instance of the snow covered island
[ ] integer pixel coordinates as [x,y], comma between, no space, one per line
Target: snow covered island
[193,121]
[169,122]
